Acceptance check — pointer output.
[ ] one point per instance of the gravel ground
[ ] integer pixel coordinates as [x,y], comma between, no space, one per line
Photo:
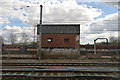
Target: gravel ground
[34,60]
[54,60]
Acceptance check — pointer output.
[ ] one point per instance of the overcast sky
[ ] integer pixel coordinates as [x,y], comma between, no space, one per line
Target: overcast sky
[98,18]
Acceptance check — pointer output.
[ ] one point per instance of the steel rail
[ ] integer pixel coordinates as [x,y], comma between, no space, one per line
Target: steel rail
[59,73]
[68,76]
[58,70]
[63,64]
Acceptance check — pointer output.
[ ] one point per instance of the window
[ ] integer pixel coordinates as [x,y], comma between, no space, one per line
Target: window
[49,39]
[66,40]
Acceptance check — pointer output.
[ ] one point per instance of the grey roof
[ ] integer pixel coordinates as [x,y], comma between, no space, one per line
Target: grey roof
[60,28]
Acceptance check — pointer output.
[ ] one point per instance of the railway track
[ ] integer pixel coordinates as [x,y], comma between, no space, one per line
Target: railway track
[59,74]
[32,71]
[109,64]
[19,57]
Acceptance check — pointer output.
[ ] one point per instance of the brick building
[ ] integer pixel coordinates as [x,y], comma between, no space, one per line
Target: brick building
[60,35]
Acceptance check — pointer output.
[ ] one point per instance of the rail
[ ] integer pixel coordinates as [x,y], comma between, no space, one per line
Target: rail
[110,64]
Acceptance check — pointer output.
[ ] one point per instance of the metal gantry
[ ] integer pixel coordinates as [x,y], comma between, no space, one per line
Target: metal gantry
[95,43]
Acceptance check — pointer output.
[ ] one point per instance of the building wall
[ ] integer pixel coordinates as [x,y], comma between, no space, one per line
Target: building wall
[58,41]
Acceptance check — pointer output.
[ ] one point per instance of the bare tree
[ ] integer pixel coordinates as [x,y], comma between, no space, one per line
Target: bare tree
[24,38]
[12,38]
[112,38]
[115,40]
[1,40]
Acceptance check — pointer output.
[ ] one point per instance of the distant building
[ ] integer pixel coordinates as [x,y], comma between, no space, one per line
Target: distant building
[60,35]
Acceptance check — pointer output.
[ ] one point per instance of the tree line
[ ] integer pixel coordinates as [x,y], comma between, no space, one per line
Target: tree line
[12,39]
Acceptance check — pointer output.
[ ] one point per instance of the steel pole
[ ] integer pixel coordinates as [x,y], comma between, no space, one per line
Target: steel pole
[39,35]
[94,46]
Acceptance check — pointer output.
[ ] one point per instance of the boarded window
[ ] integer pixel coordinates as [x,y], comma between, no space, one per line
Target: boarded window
[66,40]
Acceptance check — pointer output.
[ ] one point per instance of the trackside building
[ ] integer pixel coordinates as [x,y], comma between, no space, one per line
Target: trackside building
[60,35]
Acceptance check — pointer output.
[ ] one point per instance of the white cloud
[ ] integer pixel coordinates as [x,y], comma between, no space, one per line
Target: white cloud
[113,3]
[9,1]
[4,20]
[98,0]
[76,14]
[53,11]
[56,11]
[101,28]
[7,9]
[109,23]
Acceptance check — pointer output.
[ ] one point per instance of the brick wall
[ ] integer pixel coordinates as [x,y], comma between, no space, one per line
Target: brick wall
[58,40]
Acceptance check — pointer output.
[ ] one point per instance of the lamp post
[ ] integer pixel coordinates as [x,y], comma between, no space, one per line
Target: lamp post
[39,35]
